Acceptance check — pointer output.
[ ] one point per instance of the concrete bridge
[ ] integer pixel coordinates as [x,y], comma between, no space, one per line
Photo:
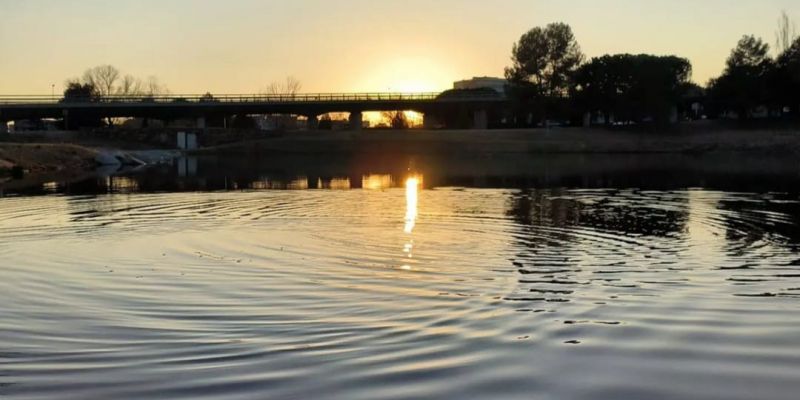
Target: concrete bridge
[473,106]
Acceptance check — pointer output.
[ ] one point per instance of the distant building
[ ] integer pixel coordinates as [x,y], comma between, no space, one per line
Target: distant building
[482,82]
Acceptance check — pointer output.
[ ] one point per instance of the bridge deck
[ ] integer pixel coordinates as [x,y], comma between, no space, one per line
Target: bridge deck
[250,98]
[14,108]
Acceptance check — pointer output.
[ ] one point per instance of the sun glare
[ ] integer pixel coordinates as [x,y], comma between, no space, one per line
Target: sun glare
[408,75]
[412,86]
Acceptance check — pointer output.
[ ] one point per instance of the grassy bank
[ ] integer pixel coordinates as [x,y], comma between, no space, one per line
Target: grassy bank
[539,141]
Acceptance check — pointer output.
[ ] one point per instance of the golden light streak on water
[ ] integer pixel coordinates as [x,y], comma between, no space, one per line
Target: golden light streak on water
[412,200]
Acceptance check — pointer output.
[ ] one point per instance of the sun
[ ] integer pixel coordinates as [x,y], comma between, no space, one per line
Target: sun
[412,86]
[408,75]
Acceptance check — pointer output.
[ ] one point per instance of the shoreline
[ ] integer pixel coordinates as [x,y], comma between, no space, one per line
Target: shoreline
[48,160]
[27,164]
[43,158]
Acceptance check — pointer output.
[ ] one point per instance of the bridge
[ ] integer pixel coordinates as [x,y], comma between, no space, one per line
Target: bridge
[476,106]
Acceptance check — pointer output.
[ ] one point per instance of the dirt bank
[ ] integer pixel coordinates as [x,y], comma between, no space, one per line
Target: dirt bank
[34,162]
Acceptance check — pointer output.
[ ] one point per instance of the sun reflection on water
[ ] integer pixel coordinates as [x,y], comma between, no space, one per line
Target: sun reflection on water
[412,192]
[376,181]
[412,201]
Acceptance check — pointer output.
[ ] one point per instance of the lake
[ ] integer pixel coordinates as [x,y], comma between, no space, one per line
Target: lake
[551,277]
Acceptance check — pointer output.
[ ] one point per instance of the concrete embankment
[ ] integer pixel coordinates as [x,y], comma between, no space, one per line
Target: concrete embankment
[134,158]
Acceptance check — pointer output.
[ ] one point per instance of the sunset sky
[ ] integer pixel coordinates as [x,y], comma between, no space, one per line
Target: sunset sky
[240,46]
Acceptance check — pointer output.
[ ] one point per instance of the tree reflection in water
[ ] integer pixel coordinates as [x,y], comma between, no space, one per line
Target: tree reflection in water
[570,239]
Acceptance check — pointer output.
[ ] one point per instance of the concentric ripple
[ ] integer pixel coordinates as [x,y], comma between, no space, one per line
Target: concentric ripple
[551,293]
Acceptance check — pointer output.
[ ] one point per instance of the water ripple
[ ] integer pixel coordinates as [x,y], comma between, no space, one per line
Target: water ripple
[547,293]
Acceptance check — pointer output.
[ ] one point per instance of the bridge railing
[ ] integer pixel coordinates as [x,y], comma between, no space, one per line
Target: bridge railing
[242,98]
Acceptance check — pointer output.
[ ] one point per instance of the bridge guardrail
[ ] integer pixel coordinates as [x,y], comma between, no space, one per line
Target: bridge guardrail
[244,98]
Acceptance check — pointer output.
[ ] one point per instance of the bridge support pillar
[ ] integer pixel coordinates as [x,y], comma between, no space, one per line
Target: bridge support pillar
[65,117]
[430,121]
[312,123]
[201,123]
[673,115]
[356,120]
[587,120]
[480,119]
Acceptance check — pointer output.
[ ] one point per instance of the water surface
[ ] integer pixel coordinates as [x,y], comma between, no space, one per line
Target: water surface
[399,286]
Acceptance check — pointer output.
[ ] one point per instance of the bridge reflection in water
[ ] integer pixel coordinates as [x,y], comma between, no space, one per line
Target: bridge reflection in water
[523,171]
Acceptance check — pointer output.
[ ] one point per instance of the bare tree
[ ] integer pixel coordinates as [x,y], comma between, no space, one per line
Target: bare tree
[107,81]
[129,86]
[291,87]
[274,88]
[104,78]
[786,33]
[153,87]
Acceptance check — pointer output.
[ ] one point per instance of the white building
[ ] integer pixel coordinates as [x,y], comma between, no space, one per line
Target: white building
[482,82]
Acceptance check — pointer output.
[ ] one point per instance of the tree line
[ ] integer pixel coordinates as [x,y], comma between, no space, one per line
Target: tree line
[107,81]
[551,80]
[756,84]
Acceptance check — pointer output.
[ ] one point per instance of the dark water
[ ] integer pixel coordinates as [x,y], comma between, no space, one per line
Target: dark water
[548,278]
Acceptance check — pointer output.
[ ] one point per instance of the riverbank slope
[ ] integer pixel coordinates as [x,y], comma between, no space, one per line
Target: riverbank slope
[36,162]
[538,141]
